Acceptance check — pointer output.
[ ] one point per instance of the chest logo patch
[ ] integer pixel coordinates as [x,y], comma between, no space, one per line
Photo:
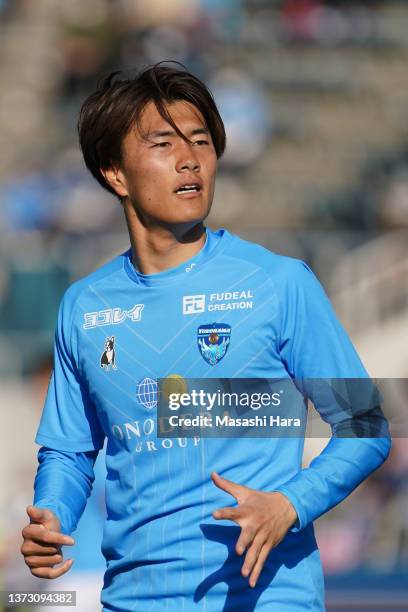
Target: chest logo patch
[108,355]
[146,393]
[213,341]
[112,316]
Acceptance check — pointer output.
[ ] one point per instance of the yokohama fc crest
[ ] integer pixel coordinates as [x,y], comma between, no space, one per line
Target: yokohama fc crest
[213,341]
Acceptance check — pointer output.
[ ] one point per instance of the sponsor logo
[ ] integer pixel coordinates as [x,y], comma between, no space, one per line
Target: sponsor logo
[112,316]
[146,393]
[193,304]
[213,341]
[109,354]
[230,300]
[141,437]
[225,300]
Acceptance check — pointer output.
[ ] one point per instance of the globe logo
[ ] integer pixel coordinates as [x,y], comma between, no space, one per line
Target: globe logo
[146,393]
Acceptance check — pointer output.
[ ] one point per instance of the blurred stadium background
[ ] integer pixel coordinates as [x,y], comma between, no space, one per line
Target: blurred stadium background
[314,95]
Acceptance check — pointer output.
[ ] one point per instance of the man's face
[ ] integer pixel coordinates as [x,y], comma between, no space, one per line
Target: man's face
[167,179]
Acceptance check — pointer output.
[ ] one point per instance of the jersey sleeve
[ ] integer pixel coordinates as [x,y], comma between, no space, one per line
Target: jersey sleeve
[314,345]
[69,420]
[63,484]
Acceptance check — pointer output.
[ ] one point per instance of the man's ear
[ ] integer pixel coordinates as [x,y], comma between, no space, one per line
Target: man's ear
[115,179]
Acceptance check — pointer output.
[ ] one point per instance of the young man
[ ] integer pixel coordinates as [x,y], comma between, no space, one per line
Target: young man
[170,540]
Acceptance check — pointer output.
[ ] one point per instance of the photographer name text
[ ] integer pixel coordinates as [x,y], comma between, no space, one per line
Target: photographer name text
[206,420]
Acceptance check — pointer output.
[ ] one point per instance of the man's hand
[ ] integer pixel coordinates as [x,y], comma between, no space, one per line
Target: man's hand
[42,544]
[264,518]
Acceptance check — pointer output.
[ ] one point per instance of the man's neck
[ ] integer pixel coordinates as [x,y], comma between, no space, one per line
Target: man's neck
[157,248]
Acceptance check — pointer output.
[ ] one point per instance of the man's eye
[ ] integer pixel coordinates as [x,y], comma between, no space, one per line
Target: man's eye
[162,144]
[201,142]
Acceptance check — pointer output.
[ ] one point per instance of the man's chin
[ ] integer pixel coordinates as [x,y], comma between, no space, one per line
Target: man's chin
[184,225]
[191,217]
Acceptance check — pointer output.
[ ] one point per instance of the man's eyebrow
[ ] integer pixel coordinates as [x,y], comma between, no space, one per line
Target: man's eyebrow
[164,133]
[202,130]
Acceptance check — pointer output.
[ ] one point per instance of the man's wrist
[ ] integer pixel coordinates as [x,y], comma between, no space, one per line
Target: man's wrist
[293,516]
[290,511]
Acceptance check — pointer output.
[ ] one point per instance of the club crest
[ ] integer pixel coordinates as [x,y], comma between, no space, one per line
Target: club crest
[213,341]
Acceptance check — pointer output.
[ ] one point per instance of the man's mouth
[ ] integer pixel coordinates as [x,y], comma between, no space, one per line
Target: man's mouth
[189,188]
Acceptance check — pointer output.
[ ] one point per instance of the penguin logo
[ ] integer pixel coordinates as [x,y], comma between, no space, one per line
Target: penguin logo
[108,355]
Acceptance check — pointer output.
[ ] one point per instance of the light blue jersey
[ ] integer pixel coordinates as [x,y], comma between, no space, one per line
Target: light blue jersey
[118,332]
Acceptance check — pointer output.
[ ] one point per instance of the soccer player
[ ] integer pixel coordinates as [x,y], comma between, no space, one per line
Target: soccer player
[192,523]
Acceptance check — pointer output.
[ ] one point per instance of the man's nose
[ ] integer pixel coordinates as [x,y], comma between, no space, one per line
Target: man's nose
[187,158]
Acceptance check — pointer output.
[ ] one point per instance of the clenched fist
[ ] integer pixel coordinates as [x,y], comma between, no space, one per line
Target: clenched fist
[42,544]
